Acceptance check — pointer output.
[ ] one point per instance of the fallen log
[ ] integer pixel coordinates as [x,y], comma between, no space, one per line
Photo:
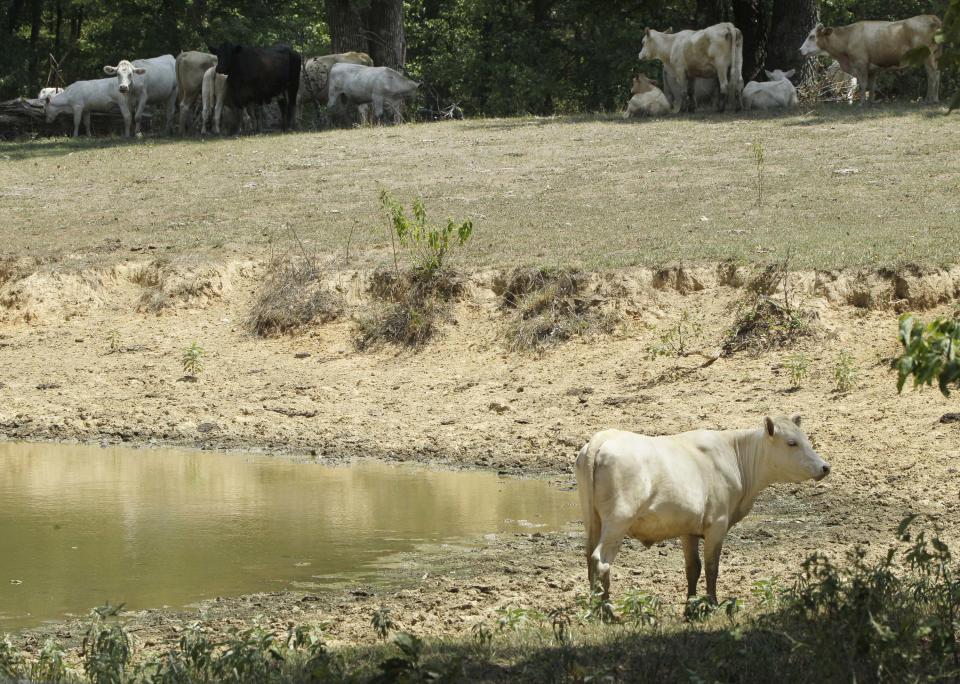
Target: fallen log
[23,117]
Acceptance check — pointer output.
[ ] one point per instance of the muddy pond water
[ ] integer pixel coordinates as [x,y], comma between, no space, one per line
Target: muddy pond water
[82,525]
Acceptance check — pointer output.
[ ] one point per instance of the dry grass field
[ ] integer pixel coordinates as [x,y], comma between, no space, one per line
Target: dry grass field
[120,255]
[841,188]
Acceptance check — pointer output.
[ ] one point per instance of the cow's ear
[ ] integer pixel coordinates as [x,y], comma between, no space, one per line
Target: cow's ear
[768,424]
[646,31]
[769,75]
[110,70]
[796,419]
[825,31]
[790,74]
[139,70]
[669,30]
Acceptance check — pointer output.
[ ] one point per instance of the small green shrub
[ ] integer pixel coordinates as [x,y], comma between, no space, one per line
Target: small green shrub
[51,664]
[250,655]
[192,360]
[758,159]
[798,367]
[12,663]
[428,245]
[930,352]
[382,622]
[844,372]
[106,647]
[676,338]
[639,608]
[516,618]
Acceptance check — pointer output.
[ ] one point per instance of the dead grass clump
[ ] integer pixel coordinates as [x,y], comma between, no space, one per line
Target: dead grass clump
[410,323]
[167,285]
[551,306]
[768,324]
[292,297]
[445,285]
[408,306]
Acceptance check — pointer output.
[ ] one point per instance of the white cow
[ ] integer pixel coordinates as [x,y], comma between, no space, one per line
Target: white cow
[716,51]
[81,98]
[214,94]
[47,93]
[866,46]
[647,100]
[359,85]
[777,93]
[695,485]
[838,84]
[316,71]
[143,82]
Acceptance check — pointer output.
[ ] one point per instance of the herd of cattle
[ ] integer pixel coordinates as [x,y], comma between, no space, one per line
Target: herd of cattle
[699,68]
[705,66]
[235,76]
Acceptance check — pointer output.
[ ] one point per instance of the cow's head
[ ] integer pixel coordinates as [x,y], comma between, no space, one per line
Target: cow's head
[226,55]
[814,44]
[124,72]
[652,46]
[641,84]
[777,75]
[787,452]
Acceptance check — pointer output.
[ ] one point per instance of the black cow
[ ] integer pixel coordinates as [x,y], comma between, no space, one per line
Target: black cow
[257,75]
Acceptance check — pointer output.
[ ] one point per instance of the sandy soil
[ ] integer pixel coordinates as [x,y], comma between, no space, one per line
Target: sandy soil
[79,362]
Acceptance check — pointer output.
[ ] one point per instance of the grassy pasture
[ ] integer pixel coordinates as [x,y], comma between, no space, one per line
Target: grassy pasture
[841,188]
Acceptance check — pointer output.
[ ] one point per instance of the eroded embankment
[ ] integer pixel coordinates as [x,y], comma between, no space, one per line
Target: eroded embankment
[96,355]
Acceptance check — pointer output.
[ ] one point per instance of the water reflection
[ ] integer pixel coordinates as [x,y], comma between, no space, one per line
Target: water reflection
[81,525]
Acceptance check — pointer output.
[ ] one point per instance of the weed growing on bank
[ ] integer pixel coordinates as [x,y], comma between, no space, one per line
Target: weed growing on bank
[293,296]
[870,617]
[192,360]
[411,302]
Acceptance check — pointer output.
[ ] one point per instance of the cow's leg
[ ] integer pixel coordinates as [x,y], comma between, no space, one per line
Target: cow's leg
[217,113]
[725,96]
[611,537]
[863,82]
[712,545]
[171,111]
[377,102]
[86,123]
[125,113]
[139,113]
[691,562]
[933,76]
[77,117]
[185,107]
[593,540]
[682,96]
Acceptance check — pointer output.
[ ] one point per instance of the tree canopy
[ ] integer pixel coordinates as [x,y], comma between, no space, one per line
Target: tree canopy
[492,57]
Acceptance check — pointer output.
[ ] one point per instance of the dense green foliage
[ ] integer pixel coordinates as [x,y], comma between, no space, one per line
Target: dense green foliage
[492,57]
[931,353]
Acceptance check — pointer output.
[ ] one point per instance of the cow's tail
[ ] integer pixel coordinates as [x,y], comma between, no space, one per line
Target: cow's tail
[735,77]
[180,68]
[586,462]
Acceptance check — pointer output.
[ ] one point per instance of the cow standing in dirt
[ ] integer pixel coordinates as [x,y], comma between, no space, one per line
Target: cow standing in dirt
[695,485]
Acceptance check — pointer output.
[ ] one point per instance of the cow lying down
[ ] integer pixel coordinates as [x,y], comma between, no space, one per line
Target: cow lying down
[647,100]
[695,485]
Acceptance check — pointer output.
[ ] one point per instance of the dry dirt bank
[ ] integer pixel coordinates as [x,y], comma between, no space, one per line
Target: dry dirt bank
[78,361]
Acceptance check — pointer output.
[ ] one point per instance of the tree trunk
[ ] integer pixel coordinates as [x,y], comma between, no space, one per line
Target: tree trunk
[708,13]
[36,14]
[792,21]
[751,17]
[58,29]
[346,27]
[387,40]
